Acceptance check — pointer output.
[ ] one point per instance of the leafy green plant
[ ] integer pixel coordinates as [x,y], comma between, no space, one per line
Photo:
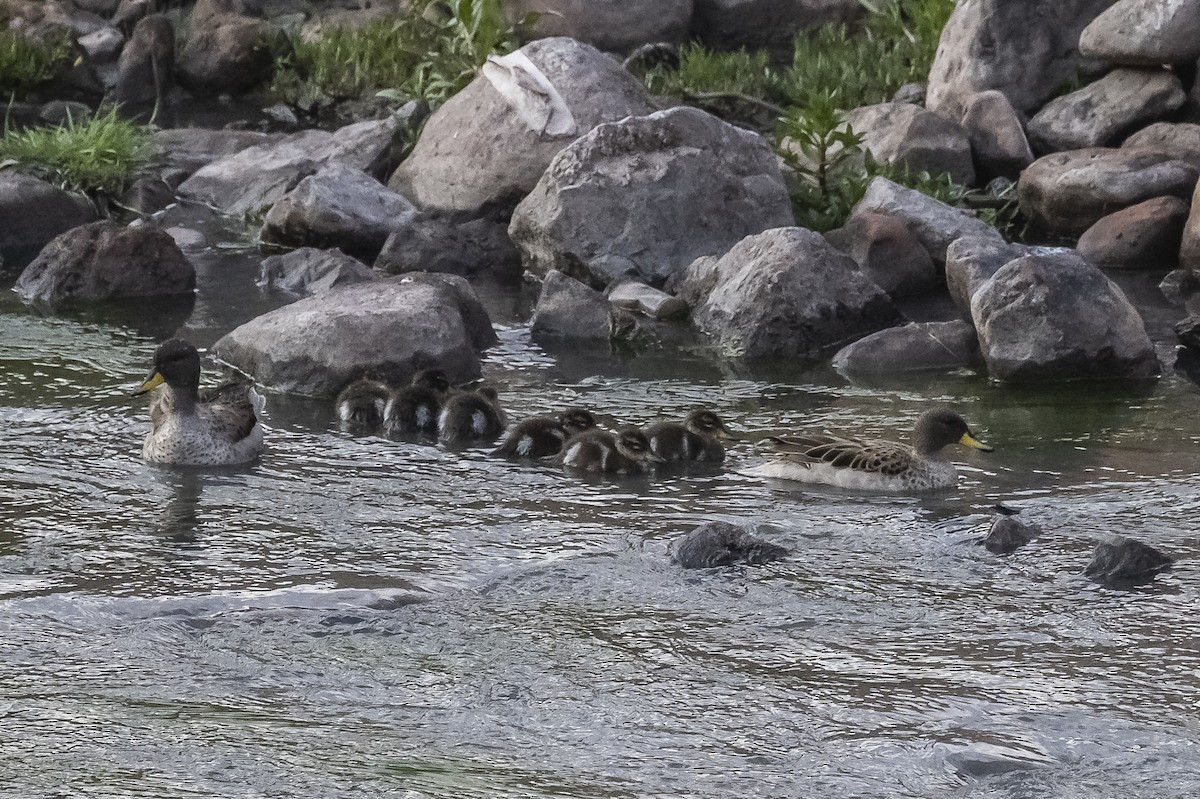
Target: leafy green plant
[102,154]
[827,163]
[432,53]
[25,62]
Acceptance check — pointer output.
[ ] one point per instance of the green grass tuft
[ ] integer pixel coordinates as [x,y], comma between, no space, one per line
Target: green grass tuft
[26,63]
[102,154]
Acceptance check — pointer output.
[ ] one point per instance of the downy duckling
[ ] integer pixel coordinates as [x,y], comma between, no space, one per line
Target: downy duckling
[543,436]
[471,415]
[874,465]
[627,451]
[697,439]
[416,407]
[360,404]
[217,428]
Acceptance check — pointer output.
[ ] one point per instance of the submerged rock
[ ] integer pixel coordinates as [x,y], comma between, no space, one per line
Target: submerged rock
[569,310]
[1057,317]
[1125,562]
[783,294]
[646,196]
[312,271]
[916,347]
[104,261]
[723,544]
[488,145]
[389,328]
[633,295]
[1008,533]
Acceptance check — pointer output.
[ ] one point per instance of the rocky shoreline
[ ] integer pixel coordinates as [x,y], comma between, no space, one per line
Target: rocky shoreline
[556,161]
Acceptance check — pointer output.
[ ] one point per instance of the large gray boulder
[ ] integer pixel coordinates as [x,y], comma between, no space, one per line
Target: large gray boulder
[733,24]
[1057,317]
[913,348]
[615,26]
[340,206]
[998,139]
[783,294]
[32,211]
[312,271]
[1177,140]
[103,261]
[972,260]
[935,224]
[443,243]
[908,136]
[1149,32]
[1024,48]
[257,177]
[1096,114]
[487,148]
[1066,193]
[646,196]
[1143,236]
[391,328]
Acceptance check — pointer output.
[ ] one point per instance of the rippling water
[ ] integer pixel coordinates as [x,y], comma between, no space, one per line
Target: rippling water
[360,617]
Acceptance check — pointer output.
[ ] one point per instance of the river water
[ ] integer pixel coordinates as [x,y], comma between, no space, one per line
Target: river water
[360,617]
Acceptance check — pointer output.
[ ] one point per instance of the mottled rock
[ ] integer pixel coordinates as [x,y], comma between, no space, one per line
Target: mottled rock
[569,310]
[444,243]
[934,223]
[972,260]
[146,67]
[340,206]
[1189,249]
[102,261]
[32,211]
[615,26]
[886,251]
[733,24]
[997,136]
[259,176]
[715,544]
[783,294]
[1066,193]
[633,295]
[915,347]
[1176,140]
[1143,236]
[1124,562]
[649,195]
[1026,49]
[1100,112]
[1057,317]
[485,149]
[389,328]
[1008,533]
[908,136]
[1149,32]
[312,271]
[229,54]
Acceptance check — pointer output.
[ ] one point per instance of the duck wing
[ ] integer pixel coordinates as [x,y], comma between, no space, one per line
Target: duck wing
[872,456]
[232,409]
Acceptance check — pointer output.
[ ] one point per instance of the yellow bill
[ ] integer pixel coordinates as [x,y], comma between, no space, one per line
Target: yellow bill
[969,440]
[152,382]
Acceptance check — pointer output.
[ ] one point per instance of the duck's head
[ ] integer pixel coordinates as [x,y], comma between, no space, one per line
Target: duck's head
[633,444]
[433,379]
[576,420]
[941,428]
[706,423]
[176,363]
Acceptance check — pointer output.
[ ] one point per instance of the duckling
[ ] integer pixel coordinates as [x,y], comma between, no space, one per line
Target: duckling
[416,406]
[469,415]
[219,427]
[875,465]
[543,436]
[360,404]
[627,451]
[697,439]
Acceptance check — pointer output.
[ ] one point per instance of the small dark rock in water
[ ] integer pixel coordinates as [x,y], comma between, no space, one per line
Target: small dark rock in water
[1008,533]
[1126,562]
[723,544]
